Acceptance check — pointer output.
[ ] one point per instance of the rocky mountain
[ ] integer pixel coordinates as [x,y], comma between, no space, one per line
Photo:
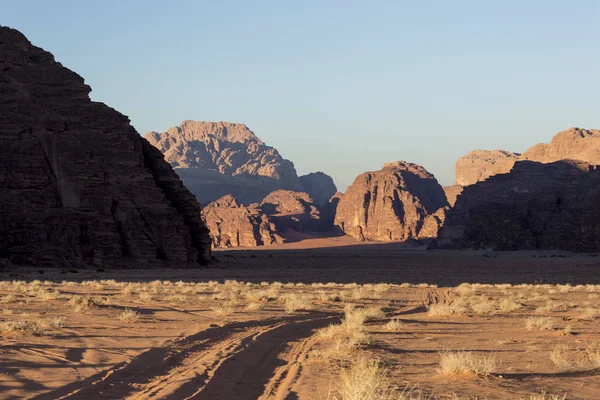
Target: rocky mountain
[292,210]
[232,224]
[319,186]
[218,158]
[328,211]
[534,206]
[402,201]
[571,144]
[78,186]
[478,165]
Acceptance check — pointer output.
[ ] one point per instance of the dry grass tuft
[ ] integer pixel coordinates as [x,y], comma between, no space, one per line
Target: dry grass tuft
[128,315]
[467,362]
[443,310]
[393,325]
[294,302]
[23,327]
[539,324]
[223,310]
[545,396]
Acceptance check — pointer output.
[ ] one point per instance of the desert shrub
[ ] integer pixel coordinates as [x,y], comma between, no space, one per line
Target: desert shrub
[465,362]
[539,324]
[441,310]
[128,315]
[223,310]
[57,322]
[393,325]
[294,302]
[22,327]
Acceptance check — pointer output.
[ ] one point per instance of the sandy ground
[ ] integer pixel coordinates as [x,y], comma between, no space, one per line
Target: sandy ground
[191,338]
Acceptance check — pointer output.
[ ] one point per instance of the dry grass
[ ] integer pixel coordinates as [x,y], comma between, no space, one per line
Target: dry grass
[294,302]
[23,327]
[566,360]
[128,315]
[57,322]
[466,362]
[545,396]
[539,324]
[589,313]
[223,310]
[365,380]
[393,325]
[444,310]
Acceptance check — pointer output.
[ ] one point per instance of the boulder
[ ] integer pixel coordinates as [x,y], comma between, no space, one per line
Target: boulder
[79,187]
[232,224]
[218,158]
[397,203]
[292,210]
[534,206]
[319,186]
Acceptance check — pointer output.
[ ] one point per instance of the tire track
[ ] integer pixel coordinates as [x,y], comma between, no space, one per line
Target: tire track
[233,361]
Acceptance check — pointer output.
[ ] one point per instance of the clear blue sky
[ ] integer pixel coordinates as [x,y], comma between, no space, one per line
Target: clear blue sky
[337,86]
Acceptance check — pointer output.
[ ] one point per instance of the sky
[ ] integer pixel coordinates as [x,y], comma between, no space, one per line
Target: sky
[337,86]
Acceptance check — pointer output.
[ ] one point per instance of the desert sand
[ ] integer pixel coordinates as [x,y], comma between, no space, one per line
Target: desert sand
[301,320]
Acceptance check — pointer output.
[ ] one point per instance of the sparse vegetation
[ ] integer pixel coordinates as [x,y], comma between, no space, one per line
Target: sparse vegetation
[539,324]
[467,362]
[128,315]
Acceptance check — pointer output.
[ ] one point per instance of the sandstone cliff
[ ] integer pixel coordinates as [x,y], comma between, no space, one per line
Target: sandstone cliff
[292,210]
[319,186]
[535,206]
[78,186]
[452,192]
[479,165]
[571,144]
[218,158]
[397,203]
[232,224]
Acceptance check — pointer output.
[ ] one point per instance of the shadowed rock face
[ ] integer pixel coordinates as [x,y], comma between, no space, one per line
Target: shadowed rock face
[400,202]
[292,210]
[232,224]
[218,158]
[535,206]
[319,186]
[78,186]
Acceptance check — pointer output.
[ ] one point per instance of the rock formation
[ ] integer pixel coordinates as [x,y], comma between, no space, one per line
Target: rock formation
[479,165]
[319,186]
[571,144]
[452,192]
[78,186]
[328,211]
[400,202]
[535,206]
[232,224]
[218,158]
[292,210]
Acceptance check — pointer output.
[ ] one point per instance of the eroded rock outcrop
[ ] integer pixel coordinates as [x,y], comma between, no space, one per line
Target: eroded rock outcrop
[292,210]
[400,202]
[452,192]
[478,165]
[218,158]
[328,211]
[78,186]
[535,206]
[319,186]
[232,224]
[571,144]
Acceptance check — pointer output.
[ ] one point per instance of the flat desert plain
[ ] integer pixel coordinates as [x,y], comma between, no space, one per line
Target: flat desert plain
[306,321]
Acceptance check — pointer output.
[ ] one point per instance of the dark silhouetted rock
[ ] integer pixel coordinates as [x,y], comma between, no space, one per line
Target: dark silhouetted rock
[292,210]
[398,203]
[319,186]
[535,206]
[232,224]
[328,212]
[78,186]
[218,158]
